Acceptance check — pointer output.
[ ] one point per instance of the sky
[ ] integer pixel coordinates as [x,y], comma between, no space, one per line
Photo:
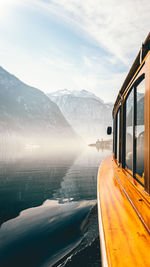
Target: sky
[72,44]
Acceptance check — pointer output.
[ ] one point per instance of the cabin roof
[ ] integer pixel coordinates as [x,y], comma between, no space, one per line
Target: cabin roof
[142,53]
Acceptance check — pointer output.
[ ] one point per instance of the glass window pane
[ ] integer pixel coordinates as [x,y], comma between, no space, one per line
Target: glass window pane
[140,128]
[115,136]
[118,137]
[129,131]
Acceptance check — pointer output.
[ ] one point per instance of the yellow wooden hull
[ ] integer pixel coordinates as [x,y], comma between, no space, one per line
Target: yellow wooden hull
[124,218]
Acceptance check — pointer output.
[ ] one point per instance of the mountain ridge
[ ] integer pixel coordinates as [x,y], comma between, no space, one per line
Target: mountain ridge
[25,110]
[87,113]
[77,93]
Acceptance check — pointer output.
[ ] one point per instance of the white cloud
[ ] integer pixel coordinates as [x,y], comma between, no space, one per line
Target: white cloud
[54,73]
[118,26]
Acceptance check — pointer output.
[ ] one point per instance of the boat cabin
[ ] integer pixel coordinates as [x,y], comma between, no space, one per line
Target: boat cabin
[123,187]
[131,120]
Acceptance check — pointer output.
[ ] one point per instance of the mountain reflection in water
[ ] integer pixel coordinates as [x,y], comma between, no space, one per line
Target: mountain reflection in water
[45,200]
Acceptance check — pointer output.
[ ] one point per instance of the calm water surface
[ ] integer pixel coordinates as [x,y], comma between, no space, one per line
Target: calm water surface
[48,212]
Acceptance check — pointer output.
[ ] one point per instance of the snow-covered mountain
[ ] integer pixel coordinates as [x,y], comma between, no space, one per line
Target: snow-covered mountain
[82,93]
[87,113]
[25,110]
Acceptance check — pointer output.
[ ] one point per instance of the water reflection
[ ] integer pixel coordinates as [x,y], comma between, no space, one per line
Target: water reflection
[40,236]
[30,179]
[45,198]
[27,181]
[80,180]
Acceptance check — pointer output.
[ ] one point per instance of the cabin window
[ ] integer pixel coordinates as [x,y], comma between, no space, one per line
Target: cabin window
[139,128]
[129,131]
[135,131]
[118,135]
[115,136]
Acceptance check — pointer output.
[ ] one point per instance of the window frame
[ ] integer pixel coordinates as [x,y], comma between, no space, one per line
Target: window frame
[116,137]
[142,71]
[136,175]
[134,88]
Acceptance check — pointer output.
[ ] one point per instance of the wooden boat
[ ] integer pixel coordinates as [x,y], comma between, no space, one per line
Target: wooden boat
[124,178]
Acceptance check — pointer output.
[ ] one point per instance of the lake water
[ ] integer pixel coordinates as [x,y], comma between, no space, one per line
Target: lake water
[48,211]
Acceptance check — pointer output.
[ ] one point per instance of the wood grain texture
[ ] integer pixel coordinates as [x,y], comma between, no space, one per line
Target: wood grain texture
[127,240]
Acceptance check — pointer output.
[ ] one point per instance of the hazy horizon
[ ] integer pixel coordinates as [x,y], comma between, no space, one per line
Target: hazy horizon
[61,89]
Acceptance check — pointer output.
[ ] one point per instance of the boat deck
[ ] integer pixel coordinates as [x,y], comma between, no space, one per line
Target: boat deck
[124,234]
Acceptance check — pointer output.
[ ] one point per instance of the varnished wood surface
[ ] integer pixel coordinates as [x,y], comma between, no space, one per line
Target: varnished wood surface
[125,231]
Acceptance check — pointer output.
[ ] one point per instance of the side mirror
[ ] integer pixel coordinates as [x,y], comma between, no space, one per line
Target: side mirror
[109,130]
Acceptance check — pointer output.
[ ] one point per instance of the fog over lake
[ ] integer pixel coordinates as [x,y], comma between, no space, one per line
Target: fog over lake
[46,198]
